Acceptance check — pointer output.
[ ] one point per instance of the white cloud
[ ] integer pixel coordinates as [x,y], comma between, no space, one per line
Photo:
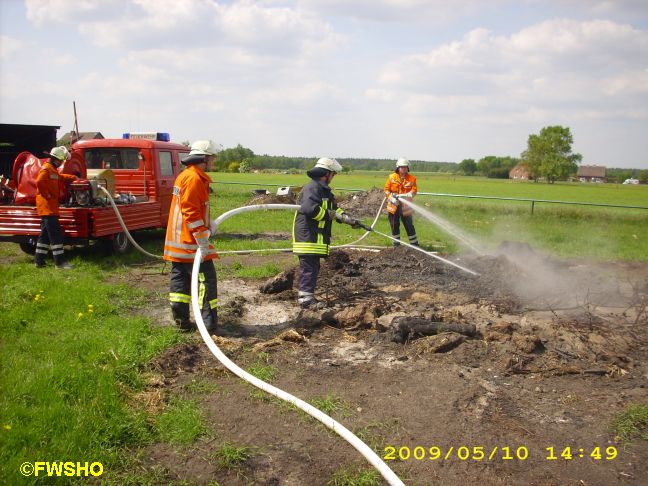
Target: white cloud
[170,24]
[392,11]
[561,67]
[44,12]
[8,46]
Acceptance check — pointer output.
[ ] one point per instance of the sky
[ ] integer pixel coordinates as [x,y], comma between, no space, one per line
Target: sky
[422,79]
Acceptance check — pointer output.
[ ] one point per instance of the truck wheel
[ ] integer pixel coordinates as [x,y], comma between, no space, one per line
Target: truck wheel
[28,246]
[118,245]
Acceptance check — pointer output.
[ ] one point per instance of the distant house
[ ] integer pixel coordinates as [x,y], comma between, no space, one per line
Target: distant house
[519,172]
[70,137]
[592,173]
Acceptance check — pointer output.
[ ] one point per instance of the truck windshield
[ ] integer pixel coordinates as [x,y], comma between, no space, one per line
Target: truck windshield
[112,158]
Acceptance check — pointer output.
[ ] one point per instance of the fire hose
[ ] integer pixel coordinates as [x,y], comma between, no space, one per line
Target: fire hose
[368,229]
[257,207]
[123,225]
[331,423]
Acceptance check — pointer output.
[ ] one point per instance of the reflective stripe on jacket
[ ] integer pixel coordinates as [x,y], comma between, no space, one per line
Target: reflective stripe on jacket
[396,185]
[189,219]
[312,224]
[48,189]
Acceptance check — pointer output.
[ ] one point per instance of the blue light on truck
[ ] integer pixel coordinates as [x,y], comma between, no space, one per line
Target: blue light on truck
[159,136]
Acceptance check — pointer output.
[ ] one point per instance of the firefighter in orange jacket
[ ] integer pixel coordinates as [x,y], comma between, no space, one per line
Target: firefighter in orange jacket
[188,230]
[48,187]
[401,184]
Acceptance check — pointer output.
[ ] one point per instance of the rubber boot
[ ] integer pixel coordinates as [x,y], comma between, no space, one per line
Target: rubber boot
[211,319]
[59,262]
[180,313]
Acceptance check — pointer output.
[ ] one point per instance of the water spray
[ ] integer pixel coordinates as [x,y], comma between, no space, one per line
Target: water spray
[445,225]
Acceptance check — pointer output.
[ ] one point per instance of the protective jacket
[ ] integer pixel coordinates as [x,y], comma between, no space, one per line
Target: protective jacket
[189,220]
[48,189]
[396,185]
[312,224]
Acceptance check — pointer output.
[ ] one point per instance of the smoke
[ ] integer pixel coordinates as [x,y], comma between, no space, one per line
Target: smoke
[539,281]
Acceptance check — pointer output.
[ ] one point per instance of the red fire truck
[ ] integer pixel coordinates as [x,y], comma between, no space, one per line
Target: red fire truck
[138,171]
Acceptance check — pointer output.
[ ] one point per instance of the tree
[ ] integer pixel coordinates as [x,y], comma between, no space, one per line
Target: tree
[643,176]
[495,167]
[549,154]
[245,166]
[467,166]
[233,167]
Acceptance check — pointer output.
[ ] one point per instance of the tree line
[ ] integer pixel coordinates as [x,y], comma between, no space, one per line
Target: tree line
[548,157]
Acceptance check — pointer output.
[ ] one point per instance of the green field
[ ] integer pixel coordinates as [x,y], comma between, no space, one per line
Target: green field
[571,231]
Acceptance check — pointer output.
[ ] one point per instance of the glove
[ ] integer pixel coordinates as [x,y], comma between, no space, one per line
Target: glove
[408,195]
[202,239]
[347,219]
[393,199]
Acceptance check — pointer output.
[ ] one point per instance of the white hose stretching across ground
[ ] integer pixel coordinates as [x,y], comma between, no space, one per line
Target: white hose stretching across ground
[246,209]
[345,433]
[331,423]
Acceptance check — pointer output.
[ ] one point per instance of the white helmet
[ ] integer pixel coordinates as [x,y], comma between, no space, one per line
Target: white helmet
[329,164]
[205,147]
[403,163]
[61,153]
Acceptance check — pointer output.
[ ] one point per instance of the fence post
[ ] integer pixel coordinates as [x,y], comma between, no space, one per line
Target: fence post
[532,205]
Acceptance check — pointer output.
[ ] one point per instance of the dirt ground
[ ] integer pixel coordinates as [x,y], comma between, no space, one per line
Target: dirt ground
[559,348]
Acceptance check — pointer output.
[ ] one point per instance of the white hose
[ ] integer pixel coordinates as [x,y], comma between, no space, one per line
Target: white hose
[246,209]
[334,425]
[123,225]
[353,244]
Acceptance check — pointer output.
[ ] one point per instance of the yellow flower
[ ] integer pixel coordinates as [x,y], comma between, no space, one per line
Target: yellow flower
[80,315]
[90,308]
[7,427]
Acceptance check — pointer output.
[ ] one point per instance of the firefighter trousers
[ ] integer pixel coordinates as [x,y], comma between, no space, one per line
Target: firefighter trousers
[309,268]
[51,237]
[180,294]
[408,222]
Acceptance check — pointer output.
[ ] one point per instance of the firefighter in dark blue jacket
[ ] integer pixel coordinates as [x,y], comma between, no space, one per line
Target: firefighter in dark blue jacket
[312,226]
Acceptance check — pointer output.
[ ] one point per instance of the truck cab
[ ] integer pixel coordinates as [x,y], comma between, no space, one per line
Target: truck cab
[139,171]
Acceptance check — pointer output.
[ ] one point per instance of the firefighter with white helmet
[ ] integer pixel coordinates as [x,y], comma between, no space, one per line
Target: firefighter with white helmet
[401,185]
[312,226]
[187,231]
[48,187]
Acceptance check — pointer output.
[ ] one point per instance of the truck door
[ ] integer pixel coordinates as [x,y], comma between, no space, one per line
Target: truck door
[167,171]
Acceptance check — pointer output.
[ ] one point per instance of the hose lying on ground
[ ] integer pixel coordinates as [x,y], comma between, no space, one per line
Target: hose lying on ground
[345,433]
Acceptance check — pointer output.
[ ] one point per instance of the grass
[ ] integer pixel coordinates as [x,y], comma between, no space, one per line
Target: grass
[355,476]
[331,404]
[267,373]
[266,270]
[181,423]
[231,457]
[632,423]
[202,387]
[70,360]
